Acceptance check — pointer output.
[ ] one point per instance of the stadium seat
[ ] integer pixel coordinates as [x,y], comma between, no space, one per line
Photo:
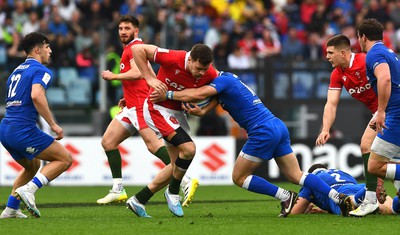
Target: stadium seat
[79,95]
[67,76]
[56,96]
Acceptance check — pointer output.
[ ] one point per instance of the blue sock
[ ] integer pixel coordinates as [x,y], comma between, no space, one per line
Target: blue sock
[260,185]
[314,182]
[396,205]
[359,196]
[397,175]
[37,182]
[13,202]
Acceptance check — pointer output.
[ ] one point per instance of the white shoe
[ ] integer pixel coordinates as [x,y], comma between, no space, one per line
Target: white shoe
[112,197]
[28,198]
[12,213]
[188,187]
[365,208]
[136,207]
[174,203]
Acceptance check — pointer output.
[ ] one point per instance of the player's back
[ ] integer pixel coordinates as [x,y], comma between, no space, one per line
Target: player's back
[336,178]
[19,105]
[240,101]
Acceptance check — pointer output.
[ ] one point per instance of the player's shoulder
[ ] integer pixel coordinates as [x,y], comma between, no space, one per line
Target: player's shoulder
[360,57]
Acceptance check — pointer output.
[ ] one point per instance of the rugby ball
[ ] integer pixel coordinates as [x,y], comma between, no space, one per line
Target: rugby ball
[202,103]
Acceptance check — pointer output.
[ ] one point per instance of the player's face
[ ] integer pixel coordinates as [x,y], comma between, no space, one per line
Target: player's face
[44,53]
[127,32]
[196,68]
[335,57]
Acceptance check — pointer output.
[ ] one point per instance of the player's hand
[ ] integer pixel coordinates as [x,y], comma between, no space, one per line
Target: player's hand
[122,103]
[377,123]
[156,97]
[58,130]
[157,85]
[191,108]
[107,75]
[322,138]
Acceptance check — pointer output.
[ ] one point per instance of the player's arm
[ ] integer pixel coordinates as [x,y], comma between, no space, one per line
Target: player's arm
[301,206]
[329,115]
[382,74]
[133,74]
[144,53]
[38,96]
[192,108]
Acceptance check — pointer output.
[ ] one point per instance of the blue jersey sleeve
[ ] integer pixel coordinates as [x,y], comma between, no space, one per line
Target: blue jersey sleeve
[43,77]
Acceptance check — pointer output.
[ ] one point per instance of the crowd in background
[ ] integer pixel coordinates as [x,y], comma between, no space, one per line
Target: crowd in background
[239,31]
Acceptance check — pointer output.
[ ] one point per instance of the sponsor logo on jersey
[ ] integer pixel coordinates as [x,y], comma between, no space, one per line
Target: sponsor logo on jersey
[360,89]
[46,78]
[31,150]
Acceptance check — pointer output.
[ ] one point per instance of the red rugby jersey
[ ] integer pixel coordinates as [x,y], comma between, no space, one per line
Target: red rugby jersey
[354,80]
[173,73]
[135,91]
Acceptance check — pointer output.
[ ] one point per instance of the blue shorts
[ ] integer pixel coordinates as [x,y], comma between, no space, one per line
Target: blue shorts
[268,140]
[392,133]
[24,141]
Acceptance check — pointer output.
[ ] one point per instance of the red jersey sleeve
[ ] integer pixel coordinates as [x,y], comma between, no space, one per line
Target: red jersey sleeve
[336,82]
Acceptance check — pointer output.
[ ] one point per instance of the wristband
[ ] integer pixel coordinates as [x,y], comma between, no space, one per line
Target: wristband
[169,95]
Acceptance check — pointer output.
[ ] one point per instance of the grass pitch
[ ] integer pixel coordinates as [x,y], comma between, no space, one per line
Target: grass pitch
[215,210]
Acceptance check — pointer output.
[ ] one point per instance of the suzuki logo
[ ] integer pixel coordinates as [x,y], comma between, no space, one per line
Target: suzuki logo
[214,155]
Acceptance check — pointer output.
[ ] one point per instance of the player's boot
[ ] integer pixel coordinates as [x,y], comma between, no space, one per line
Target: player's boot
[12,213]
[345,204]
[381,191]
[365,208]
[174,203]
[287,205]
[113,197]
[188,187]
[136,207]
[22,193]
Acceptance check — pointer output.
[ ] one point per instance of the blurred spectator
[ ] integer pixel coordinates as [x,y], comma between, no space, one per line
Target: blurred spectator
[222,50]
[57,26]
[377,10]
[313,48]
[200,24]
[212,36]
[65,9]
[269,45]
[292,10]
[307,9]
[350,32]
[292,47]
[19,15]
[248,42]
[394,13]
[238,59]
[318,19]
[31,25]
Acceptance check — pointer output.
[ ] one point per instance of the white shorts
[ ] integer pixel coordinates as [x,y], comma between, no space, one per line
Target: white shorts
[385,149]
[131,120]
[164,121]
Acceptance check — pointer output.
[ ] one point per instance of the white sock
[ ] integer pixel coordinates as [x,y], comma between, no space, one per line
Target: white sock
[370,196]
[334,195]
[32,187]
[117,185]
[282,194]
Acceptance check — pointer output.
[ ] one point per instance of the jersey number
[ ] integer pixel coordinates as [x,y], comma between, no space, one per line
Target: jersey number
[337,177]
[13,85]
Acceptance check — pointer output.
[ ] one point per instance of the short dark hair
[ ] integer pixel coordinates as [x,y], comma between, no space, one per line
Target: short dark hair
[129,19]
[316,166]
[202,53]
[340,42]
[31,40]
[371,28]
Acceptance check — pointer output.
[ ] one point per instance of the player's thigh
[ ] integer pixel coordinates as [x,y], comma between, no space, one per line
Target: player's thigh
[116,132]
[289,166]
[245,166]
[55,152]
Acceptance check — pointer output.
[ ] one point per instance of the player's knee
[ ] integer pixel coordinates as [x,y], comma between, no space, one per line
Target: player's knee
[67,161]
[189,150]
[238,179]
[107,144]
[365,148]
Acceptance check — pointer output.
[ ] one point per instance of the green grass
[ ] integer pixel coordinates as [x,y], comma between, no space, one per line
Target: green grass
[216,210]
